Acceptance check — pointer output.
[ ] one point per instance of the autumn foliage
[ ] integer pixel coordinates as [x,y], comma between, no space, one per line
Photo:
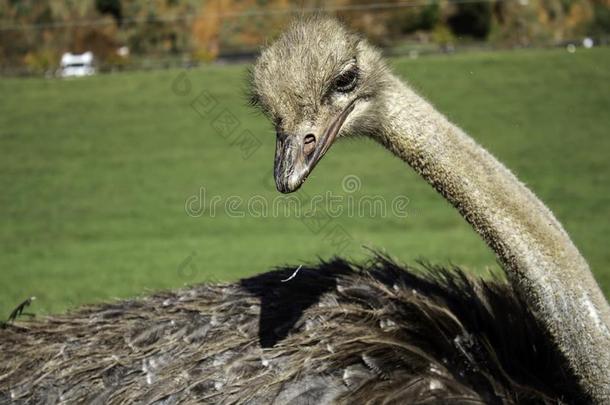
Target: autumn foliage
[35,33]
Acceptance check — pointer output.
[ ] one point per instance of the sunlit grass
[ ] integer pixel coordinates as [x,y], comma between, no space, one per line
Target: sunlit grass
[95,174]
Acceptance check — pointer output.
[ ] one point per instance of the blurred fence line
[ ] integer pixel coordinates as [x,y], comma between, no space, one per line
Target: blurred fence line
[373,6]
[245,56]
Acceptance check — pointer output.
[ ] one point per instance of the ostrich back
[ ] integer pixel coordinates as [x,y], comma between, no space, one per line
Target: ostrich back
[335,333]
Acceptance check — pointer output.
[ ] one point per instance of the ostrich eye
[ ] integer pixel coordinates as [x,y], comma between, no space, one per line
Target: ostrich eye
[346,81]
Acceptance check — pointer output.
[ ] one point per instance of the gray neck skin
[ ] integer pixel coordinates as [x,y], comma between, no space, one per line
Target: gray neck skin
[538,256]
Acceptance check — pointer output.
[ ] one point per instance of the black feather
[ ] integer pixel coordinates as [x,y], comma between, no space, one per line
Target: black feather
[337,332]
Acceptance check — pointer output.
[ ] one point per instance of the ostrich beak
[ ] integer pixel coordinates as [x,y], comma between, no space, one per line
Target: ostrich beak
[297,155]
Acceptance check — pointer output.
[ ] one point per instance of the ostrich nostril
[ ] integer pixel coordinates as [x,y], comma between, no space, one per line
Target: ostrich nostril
[309,144]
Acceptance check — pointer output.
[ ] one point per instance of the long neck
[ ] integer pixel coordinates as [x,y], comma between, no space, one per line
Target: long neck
[538,256]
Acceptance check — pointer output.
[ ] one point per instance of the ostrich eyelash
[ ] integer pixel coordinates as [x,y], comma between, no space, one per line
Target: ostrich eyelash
[347,80]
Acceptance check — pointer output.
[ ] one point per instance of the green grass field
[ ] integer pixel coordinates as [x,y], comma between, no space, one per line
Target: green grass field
[95,174]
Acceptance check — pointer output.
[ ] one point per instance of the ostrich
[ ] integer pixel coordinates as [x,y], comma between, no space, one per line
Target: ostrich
[340,332]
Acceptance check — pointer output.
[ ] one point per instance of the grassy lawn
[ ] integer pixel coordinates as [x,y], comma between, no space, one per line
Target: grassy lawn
[95,174]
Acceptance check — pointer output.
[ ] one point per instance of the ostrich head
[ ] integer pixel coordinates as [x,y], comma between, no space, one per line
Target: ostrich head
[317,82]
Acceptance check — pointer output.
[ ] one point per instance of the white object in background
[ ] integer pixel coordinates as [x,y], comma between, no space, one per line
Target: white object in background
[587,42]
[123,51]
[74,65]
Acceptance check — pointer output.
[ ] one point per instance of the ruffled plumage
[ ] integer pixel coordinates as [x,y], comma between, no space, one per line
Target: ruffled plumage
[337,332]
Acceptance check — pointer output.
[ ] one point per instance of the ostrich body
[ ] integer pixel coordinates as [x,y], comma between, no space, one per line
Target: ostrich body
[339,332]
[335,333]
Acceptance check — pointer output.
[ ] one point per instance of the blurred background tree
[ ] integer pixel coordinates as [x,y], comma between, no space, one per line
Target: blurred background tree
[34,33]
[471,19]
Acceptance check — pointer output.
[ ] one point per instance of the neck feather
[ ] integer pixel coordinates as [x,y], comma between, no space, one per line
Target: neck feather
[538,256]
